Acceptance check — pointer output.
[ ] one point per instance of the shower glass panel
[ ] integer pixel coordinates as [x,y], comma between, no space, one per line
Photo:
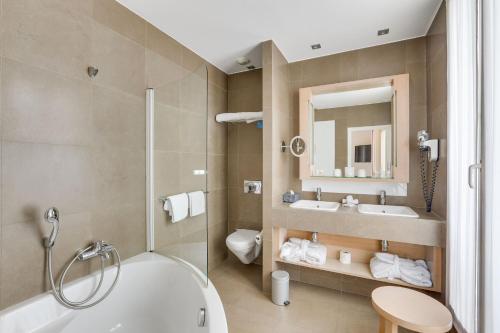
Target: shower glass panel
[179,162]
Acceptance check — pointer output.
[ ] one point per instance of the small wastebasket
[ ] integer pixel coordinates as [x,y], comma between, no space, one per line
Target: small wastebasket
[280,285]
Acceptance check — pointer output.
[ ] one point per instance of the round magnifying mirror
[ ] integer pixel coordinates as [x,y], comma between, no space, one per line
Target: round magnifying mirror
[297,146]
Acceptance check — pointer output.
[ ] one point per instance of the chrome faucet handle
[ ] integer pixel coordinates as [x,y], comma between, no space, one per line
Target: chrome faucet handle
[98,248]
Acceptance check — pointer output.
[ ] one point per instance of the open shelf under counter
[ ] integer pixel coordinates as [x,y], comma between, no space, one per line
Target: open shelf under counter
[356,269]
[362,250]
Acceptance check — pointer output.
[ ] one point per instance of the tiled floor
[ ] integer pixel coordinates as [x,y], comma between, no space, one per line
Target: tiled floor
[312,309]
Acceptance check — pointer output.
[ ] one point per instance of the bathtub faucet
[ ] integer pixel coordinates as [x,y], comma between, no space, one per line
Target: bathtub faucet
[99,248]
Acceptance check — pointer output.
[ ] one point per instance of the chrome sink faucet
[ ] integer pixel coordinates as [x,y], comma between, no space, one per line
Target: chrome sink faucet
[318,193]
[382,198]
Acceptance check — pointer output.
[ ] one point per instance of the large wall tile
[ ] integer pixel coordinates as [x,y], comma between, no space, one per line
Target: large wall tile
[119,119]
[119,175]
[193,132]
[381,60]
[52,34]
[38,176]
[120,61]
[165,77]
[167,129]
[217,170]
[115,16]
[40,106]
[217,133]
[163,44]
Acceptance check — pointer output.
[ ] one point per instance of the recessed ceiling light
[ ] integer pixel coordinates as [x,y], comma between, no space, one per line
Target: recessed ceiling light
[316,46]
[243,61]
[383,32]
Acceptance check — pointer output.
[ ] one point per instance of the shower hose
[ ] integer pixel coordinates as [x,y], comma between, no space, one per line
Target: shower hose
[85,303]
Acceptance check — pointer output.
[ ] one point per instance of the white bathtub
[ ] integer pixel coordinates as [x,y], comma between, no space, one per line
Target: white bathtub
[154,294]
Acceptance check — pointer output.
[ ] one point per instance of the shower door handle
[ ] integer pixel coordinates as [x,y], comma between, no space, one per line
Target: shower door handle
[472,173]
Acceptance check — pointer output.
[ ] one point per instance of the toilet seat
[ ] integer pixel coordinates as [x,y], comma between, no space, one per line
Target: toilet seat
[242,239]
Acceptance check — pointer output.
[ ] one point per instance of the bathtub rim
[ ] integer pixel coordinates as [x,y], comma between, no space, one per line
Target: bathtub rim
[216,318]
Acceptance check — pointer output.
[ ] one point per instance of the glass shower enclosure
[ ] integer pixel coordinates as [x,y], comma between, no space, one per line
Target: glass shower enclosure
[176,162]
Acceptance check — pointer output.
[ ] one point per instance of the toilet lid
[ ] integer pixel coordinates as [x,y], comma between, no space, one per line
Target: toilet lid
[242,239]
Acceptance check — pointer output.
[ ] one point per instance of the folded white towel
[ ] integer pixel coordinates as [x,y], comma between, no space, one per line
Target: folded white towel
[177,206]
[316,254]
[297,249]
[290,252]
[387,265]
[196,203]
[238,117]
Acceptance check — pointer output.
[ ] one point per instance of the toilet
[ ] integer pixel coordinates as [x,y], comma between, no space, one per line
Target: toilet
[245,244]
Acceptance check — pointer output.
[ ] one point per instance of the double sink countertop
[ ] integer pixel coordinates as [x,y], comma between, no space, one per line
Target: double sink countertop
[428,229]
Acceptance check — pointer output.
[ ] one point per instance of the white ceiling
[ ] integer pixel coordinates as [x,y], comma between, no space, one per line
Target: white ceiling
[222,30]
[352,98]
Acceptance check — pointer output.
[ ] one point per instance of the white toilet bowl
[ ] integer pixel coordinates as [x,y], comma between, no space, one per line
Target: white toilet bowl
[245,244]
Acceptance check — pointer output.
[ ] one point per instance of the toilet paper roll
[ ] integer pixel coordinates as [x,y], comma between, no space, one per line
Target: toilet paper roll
[345,257]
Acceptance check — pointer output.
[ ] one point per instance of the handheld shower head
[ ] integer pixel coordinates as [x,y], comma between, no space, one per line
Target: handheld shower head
[52,216]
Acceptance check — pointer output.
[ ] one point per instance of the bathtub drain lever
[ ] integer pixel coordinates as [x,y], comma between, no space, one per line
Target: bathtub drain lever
[202,317]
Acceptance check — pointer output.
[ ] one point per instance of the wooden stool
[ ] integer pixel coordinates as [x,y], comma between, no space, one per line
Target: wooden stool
[410,309]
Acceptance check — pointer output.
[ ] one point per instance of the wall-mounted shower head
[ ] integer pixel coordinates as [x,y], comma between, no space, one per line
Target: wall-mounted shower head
[52,216]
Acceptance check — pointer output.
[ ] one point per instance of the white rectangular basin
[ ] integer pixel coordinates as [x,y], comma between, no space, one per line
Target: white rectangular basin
[316,205]
[386,210]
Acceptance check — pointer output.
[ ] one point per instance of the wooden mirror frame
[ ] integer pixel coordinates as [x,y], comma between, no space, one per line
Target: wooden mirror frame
[401,160]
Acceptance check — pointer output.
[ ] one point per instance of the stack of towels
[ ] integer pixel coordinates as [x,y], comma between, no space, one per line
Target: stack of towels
[390,266]
[297,249]
[182,205]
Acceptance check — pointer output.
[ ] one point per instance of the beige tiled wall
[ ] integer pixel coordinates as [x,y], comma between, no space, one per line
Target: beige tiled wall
[436,100]
[79,143]
[278,126]
[244,151]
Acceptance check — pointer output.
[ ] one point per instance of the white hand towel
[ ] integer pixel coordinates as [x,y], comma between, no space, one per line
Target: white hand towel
[196,203]
[177,206]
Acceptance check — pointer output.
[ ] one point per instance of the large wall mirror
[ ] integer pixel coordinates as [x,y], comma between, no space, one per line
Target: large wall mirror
[356,131]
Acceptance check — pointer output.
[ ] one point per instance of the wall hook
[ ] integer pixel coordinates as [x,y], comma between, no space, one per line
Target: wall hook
[92,71]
